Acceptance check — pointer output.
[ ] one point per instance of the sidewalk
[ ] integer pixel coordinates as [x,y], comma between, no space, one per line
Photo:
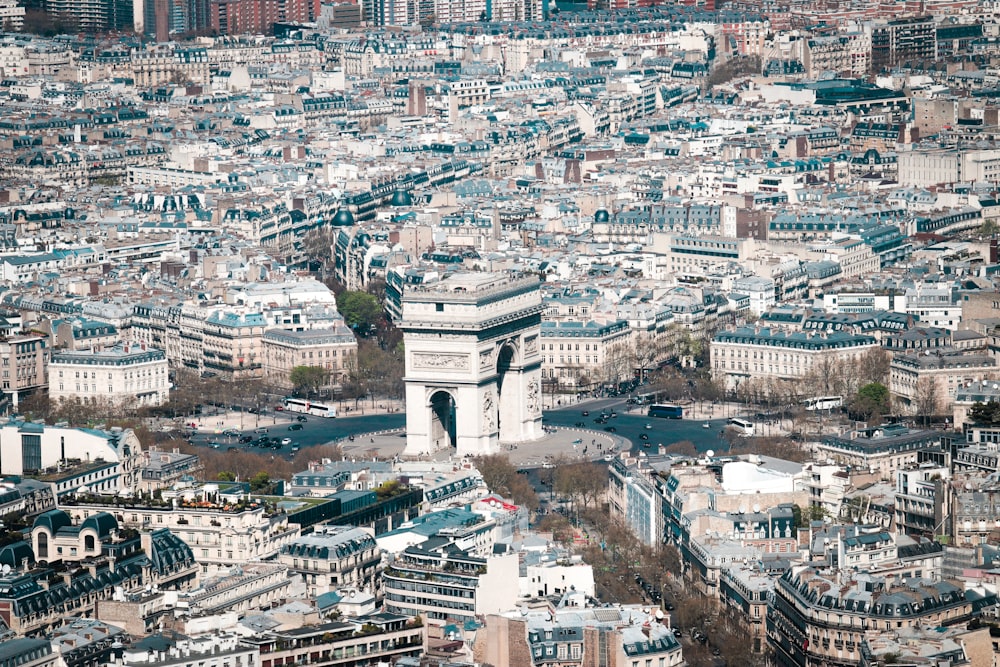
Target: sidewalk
[216,423]
[568,442]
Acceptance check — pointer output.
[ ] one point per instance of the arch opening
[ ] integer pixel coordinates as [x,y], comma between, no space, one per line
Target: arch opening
[442,407]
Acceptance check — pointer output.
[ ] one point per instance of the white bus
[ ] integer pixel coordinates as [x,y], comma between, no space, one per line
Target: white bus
[745,427]
[823,403]
[310,407]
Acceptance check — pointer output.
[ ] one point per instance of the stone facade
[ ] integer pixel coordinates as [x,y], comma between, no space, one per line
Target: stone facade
[473,363]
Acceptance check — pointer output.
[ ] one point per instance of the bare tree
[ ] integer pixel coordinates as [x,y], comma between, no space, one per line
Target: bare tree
[824,378]
[584,482]
[671,385]
[682,448]
[925,401]
[318,244]
[645,353]
[617,359]
[775,446]
[873,366]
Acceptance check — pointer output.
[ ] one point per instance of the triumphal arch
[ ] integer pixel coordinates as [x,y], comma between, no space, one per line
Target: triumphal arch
[473,363]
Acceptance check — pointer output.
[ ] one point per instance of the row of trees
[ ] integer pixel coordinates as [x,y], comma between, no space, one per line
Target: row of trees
[259,469]
[375,371]
[779,447]
[618,557]
[826,377]
[582,483]
[641,355]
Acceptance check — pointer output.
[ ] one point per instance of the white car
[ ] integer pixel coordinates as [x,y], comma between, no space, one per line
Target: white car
[286,441]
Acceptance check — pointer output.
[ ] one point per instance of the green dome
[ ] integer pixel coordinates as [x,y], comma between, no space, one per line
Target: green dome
[103,523]
[53,520]
[344,218]
[15,554]
[602,216]
[401,198]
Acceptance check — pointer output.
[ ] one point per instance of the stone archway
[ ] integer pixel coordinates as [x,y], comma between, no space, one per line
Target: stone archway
[475,339]
[442,409]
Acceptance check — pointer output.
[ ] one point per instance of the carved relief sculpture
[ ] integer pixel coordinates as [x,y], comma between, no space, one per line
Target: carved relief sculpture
[444,361]
[489,412]
[531,345]
[532,397]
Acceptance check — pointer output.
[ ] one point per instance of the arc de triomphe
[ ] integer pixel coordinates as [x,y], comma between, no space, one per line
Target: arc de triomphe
[473,363]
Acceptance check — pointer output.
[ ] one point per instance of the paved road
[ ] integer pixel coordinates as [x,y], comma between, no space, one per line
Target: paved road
[318,431]
[633,426]
[315,430]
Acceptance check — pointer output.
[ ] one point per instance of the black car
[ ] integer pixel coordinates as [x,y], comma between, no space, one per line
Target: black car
[610,429]
[644,436]
[579,424]
[295,427]
[301,418]
[585,413]
[244,439]
[599,420]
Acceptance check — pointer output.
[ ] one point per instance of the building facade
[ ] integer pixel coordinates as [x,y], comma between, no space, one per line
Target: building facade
[753,354]
[126,375]
[335,350]
[333,557]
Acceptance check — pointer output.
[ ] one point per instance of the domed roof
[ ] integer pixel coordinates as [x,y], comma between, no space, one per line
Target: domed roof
[102,522]
[401,198]
[16,553]
[53,520]
[343,218]
[602,215]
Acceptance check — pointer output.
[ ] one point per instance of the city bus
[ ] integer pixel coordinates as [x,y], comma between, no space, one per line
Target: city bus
[823,403]
[666,411]
[744,426]
[310,407]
